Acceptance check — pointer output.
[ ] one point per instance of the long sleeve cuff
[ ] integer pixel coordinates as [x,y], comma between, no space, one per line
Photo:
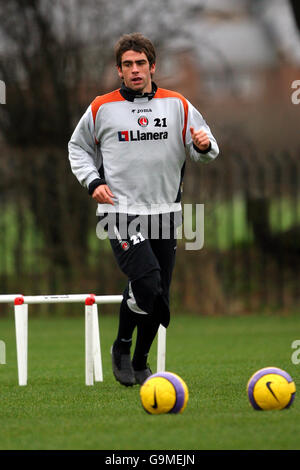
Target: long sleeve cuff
[202,151]
[95,183]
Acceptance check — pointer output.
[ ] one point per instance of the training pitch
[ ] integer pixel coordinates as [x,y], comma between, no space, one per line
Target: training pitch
[215,356]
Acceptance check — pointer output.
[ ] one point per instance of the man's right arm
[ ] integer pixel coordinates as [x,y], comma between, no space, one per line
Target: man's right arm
[84,154]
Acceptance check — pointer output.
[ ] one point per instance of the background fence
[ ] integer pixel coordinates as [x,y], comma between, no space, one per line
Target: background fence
[55,60]
[250,258]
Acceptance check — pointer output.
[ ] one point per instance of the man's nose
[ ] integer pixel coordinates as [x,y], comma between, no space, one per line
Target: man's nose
[135,67]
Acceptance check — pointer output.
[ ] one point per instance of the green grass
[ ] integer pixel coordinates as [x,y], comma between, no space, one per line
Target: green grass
[215,356]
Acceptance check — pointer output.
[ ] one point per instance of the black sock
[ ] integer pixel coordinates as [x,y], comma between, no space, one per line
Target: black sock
[146,332]
[127,324]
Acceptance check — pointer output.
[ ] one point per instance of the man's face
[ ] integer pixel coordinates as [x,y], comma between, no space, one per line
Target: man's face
[136,71]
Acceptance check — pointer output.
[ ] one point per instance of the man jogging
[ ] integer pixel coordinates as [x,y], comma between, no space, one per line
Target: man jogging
[129,151]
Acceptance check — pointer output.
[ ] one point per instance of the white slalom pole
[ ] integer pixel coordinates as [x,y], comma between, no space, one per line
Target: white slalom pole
[6,299]
[161,349]
[21,325]
[89,350]
[96,346]
[65,298]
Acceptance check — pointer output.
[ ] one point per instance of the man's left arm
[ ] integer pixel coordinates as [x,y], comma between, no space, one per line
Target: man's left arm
[200,142]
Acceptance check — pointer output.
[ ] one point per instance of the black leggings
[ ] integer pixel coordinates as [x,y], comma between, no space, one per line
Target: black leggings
[148,264]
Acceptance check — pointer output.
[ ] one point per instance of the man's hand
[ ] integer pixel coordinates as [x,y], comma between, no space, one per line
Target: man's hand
[200,139]
[103,194]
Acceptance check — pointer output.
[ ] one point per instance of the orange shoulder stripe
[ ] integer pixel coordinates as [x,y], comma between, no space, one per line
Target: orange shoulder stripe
[163,93]
[107,98]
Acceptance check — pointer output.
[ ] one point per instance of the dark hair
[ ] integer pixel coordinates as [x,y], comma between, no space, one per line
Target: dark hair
[134,42]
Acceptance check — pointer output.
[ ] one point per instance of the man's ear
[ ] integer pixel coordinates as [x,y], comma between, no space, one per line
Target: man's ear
[120,72]
[152,69]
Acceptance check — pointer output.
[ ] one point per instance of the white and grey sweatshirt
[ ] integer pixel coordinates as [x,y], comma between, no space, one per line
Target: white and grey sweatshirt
[138,145]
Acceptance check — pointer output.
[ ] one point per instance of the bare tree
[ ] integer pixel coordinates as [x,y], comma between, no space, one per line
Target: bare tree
[42,70]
